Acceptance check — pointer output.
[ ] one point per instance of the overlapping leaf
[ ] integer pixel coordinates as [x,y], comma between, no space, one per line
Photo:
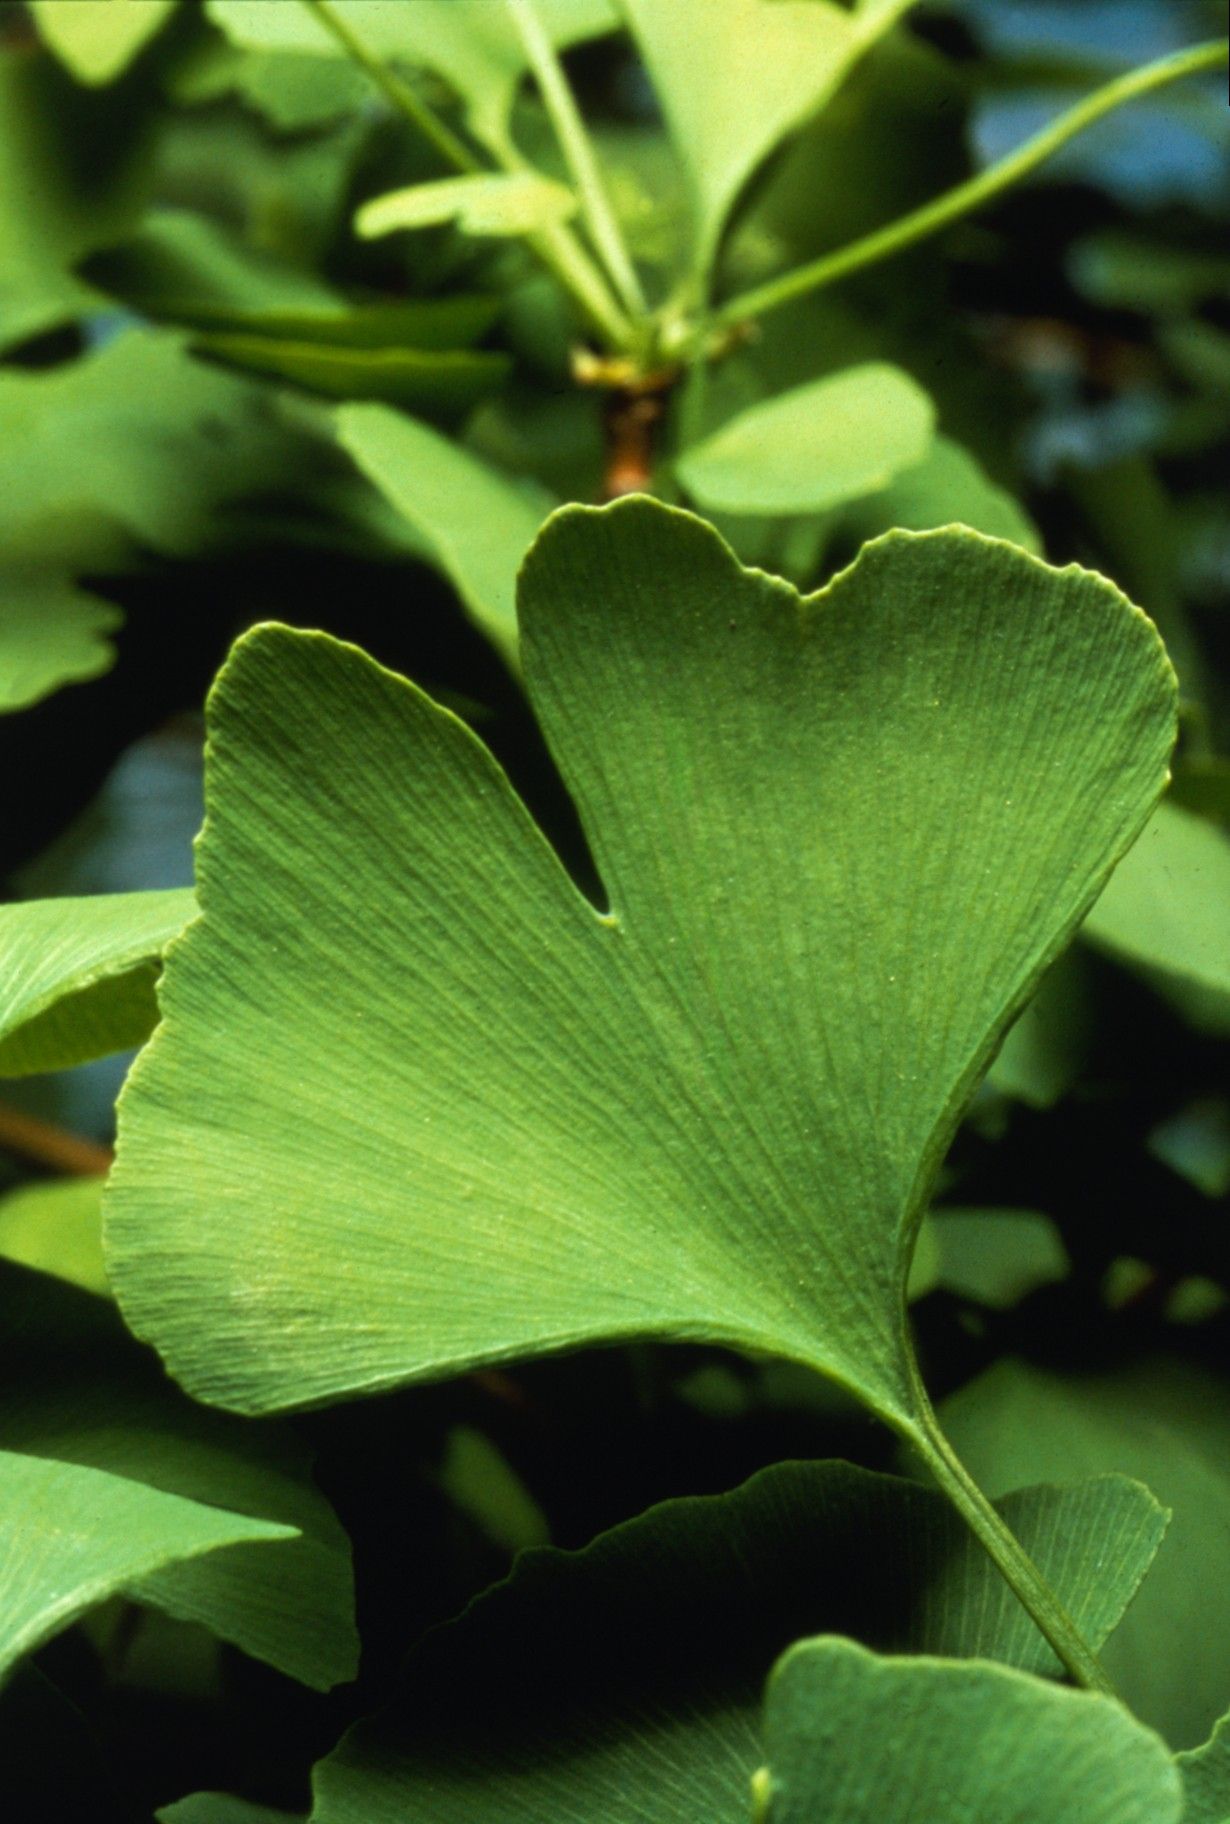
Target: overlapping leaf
[1166,1423]
[477,520]
[1206,1779]
[51,633]
[111,1481]
[854,1739]
[624,1681]
[816,446]
[735,76]
[471,44]
[1168,914]
[77,975]
[841,839]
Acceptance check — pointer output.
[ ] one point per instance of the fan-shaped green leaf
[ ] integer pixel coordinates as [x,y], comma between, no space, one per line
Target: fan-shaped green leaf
[841,840]
[77,975]
[854,1739]
[816,446]
[624,1681]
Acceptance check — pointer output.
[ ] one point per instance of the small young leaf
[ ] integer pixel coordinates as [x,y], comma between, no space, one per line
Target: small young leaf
[478,520]
[77,975]
[98,39]
[497,202]
[624,1681]
[735,76]
[841,838]
[816,446]
[854,1739]
[948,487]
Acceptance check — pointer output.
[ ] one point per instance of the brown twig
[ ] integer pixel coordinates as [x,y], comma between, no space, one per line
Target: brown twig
[52,1147]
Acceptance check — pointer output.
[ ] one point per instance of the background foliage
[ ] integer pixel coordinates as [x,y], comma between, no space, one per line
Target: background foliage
[318,333]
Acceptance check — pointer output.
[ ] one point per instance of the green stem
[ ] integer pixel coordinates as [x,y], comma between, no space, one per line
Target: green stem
[402,96]
[969,196]
[1011,1559]
[579,154]
[555,247]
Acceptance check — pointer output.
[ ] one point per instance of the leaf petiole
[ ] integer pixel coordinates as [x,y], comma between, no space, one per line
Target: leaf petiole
[971,195]
[574,141]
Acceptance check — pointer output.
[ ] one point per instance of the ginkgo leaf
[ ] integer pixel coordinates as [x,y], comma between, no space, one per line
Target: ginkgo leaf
[77,975]
[71,1535]
[947,487]
[473,45]
[478,520]
[855,1739]
[1206,1779]
[495,202]
[51,634]
[734,77]
[829,441]
[223,1808]
[841,840]
[1167,914]
[98,39]
[89,1422]
[624,1681]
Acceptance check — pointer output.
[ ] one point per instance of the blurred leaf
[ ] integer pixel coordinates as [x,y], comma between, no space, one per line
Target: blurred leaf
[624,1681]
[1166,914]
[1196,1144]
[135,445]
[1169,1425]
[854,1739]
[51,634]
[222,1808]
[1206,1779]
[1126,271]
[88,1419]
[497,202]
[816,446]
[57,1228]
[997,1257]
[78,975]
[1043,1053]
[484,1485]
[191,270]
[948,487]
[71,177]
[473,45]
[734,77]
[478,521]
[792,837]
[415,379]
[98,39]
